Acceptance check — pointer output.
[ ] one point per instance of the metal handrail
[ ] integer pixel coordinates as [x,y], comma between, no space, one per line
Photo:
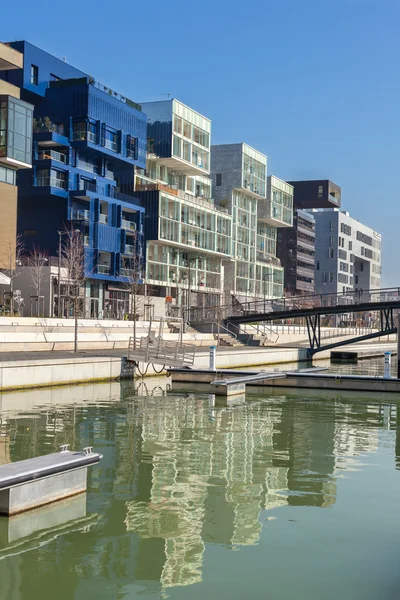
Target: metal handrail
[262,333]
[221,327]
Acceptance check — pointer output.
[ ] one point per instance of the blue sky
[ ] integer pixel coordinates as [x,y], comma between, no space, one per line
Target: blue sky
[314,84]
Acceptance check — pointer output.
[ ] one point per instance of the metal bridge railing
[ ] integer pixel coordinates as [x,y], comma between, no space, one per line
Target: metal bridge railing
[287,303]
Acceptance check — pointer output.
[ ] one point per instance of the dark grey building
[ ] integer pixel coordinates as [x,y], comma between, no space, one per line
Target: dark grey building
[319,193]
[296,251]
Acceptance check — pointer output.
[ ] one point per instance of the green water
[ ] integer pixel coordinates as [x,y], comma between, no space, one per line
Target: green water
[285,497]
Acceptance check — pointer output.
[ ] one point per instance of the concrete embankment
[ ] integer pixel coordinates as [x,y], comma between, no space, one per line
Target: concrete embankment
[24,370]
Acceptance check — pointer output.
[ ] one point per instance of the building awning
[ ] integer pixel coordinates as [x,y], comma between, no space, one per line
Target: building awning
[4,280]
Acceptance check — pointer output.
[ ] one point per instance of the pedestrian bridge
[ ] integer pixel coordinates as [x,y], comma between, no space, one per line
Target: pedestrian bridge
[377,305]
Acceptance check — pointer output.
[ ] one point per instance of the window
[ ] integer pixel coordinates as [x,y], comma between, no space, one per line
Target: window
[350,245]
[331,277]
[356,279]
[7,175]
[34,75]
[110,139]
[131,147]
[320,190]
[16,129]
[362,267]
[218,181]
[317,265]
[332,225]
[331,253]
[332,240]
[324,277]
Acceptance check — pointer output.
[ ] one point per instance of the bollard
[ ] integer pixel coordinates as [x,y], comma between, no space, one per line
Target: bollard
[388,362]
[213,353]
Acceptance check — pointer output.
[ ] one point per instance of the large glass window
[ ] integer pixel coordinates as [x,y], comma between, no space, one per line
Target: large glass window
[7,175]
[16,129]
[110,140]
[132,147]
[51,177]
[177,147]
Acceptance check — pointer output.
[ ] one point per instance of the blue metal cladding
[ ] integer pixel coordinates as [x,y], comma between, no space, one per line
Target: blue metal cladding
[49,67]
[91,171]
[120,116]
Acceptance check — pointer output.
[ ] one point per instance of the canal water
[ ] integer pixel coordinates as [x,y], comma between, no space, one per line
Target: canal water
[286,497]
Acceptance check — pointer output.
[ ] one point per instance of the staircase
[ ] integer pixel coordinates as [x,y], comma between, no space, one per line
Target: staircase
[228,340]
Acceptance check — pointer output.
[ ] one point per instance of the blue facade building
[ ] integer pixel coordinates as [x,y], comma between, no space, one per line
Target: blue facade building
[87,142]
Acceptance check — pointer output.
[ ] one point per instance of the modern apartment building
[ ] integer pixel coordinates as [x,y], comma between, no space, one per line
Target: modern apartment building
[188,236]
[296,251]
[296,247]
[348,253]
[258,205]
[87,141]
[320,193]
[15,153]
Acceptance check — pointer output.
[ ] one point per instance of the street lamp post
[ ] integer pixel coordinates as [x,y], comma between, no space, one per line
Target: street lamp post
[264,277]
[195,259]
[60,233]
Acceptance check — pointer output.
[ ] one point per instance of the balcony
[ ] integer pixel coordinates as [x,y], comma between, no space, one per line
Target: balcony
[86,240]
[129,249]
[51,181]
[303,229]
[103,218]
[268,258]
[304,272]
[52,155]
[129,225]
[305,244]
[110,145]
[103,269]
[81,215]
[10,58]
[125,272]
[84,136]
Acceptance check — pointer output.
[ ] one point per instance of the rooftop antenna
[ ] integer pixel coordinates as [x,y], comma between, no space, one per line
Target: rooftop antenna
[64,59]
[168,95]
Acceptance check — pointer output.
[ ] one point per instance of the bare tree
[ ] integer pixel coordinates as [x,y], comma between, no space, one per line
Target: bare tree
[73,262]
[10,259]
[37,260]
[132,270]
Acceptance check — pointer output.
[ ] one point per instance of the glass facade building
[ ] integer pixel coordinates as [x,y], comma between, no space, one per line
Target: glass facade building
[258,205]
[189,238]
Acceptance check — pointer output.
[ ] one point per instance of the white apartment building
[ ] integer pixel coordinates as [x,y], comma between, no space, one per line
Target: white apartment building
[258,205]
[188,237]
[347,253]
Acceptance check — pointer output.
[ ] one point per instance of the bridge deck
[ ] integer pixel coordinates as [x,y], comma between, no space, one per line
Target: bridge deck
[292,313]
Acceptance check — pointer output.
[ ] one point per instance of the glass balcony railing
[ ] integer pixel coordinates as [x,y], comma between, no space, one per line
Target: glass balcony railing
[51,181]
[103,269]
[125,224]
[81,215]
[52,155]
[85,184]
[86,240]
[125,272]
[81,136]
[129,249]
[103,218]
[110,145]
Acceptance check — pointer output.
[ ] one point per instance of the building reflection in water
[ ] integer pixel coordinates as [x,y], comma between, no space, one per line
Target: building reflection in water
[179,474]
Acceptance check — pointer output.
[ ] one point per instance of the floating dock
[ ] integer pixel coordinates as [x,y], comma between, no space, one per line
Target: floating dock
[37,481]
[229,383]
